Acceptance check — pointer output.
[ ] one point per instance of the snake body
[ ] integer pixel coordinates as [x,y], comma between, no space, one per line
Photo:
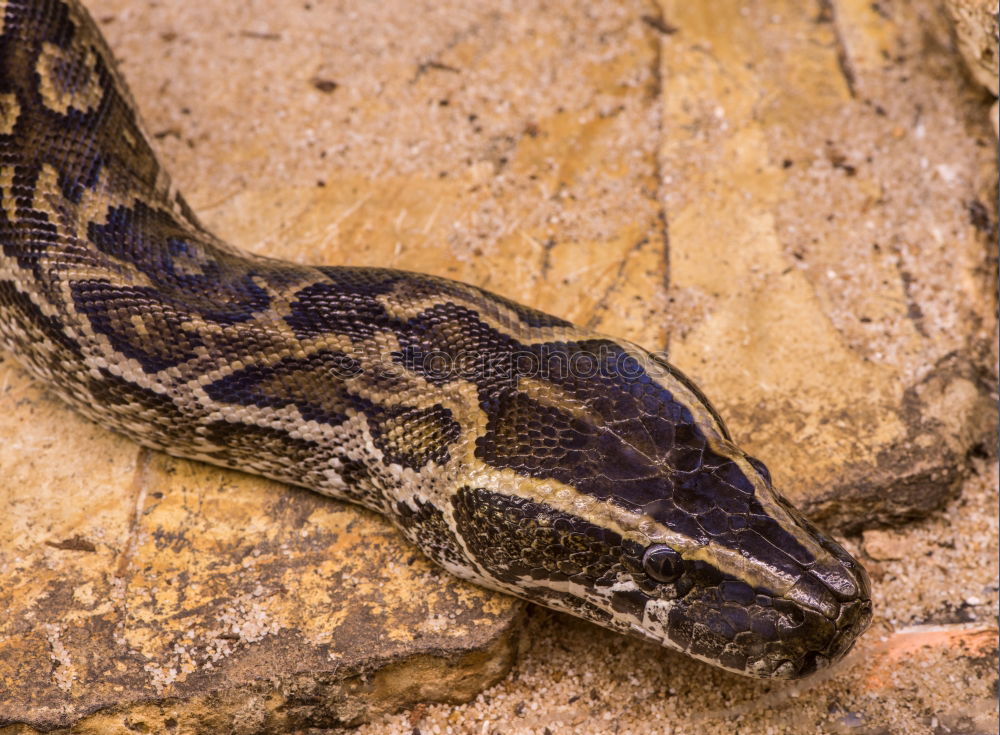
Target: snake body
[516,450]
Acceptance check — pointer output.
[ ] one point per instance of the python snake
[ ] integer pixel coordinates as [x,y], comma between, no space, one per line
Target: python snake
[516,450]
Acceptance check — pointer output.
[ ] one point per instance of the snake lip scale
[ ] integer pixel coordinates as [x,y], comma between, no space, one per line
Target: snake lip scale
[614,493]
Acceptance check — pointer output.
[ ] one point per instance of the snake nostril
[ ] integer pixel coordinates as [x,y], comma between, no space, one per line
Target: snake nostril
[790,618]
[859,618]
[854,619]
[845,578]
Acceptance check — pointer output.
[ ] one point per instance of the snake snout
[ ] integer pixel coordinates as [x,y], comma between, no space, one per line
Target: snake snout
[833,597]
[830,608]
[826,644]
[854,620]
[849,582]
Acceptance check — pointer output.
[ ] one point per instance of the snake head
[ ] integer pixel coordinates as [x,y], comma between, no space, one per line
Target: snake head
[618,496]
[762,592]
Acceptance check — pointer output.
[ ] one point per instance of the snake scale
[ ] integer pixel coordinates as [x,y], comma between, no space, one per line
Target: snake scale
[516,450]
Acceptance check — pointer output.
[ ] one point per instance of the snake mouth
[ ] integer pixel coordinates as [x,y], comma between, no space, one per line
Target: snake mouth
[823,614]
[758,632]
[816,632]
[853,618]
[822,648]
[798,642]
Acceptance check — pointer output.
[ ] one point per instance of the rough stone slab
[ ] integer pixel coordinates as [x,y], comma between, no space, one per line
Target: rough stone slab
[976,28]
[830,202]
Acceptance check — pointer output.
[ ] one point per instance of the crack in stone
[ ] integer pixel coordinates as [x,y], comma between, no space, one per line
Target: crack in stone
[602,303]
[828,14]
[656,94]
[137,491]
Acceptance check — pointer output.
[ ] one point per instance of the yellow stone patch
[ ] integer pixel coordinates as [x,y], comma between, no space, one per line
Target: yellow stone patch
[67,80]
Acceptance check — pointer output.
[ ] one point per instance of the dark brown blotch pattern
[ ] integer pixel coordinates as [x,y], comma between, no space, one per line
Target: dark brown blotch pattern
[408,435]
[516,538]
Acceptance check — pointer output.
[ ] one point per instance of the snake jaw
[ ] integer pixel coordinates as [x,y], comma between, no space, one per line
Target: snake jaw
[723,621]
[796,604]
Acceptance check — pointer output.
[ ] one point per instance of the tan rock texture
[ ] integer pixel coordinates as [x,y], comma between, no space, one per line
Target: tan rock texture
[978,33]
[796,199]
[829,286]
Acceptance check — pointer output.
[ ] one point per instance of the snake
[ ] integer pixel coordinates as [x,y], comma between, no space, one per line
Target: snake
[516,450]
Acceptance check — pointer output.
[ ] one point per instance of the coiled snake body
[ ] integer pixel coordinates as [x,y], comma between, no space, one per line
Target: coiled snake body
[515,449]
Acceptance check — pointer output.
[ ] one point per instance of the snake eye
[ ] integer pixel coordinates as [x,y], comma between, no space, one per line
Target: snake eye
[662,563]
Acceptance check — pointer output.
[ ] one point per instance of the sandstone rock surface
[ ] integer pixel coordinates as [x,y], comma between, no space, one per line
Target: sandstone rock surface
[976,27]
[829,209]
[797,200]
